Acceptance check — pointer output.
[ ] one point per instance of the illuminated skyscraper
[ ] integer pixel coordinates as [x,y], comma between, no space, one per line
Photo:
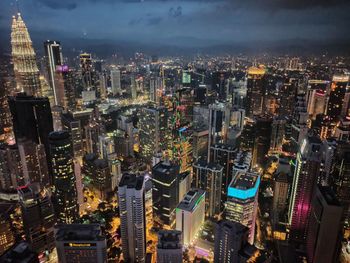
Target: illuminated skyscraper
[336,98]
[242,200]
[86,70]
[24,60]
[131,198]
[255,91]
[38,216]
[64,181]
[306,173]
[115,79]
[54,58]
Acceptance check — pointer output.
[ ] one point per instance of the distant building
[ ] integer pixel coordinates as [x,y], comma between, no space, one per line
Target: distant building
[115,79]
[280,192]
[255,91]
[169,247]
[323,240]
[242,200]
[262,141]
[131,198]
[80,243]
[190,214]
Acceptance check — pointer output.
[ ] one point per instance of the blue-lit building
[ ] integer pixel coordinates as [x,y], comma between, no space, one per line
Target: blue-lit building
[242,200]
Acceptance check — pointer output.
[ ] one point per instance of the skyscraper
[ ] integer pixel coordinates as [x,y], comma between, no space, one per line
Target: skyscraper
[230,238]
[54,58]
[169,247]
[131,197]
[86,70]
[262,140]
[242,200]
[115,81]
[38,217]
[323,240]
[255,91]
[24,60]
[208,176]
[165,193]
[64,181]
[336,98]
[80,243]
[190,214]
[306,173]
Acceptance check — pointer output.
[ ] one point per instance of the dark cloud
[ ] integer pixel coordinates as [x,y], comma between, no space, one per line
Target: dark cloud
[154,21]
[63,4]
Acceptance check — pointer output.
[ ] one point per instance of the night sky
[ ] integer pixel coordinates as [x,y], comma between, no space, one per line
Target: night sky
[183,23]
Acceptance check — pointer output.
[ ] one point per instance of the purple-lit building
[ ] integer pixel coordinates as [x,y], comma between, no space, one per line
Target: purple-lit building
[307,170]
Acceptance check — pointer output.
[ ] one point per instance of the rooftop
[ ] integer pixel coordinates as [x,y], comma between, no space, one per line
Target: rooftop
[169,239]
[131,181]
[244,185]
[79,232]
[191,200]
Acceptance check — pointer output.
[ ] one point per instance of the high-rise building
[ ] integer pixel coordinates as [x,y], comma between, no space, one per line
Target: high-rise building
[323,240]
[73,126]
[53,53]
[208,176]
[7,238]
[169,247]
[24,60]
[230,238]
[306,173]
[115,81]
[334,110]
[190,214]
[11,171]
[64,181]
[287,93]
[242,200]
[152,131]
[65,87]
[33,160]
[255,91]
[38,217]
[300,117]
[131,197]
[165,193]
[80,243]
[277,133]
[280,192]
[262,141]
[86,70]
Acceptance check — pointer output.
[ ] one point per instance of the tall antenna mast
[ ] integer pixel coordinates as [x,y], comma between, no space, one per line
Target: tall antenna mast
[17,6]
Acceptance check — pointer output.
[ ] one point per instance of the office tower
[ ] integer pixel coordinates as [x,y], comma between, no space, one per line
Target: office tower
[53,53]
[277,133]
[242,200]
[200,143]
[316,103]
[287,93]
[336,96]
[219,121]
[133,87]
[280,192]
[323,240]
[32,119]
[73,126]
[65,192]
[223,155]
[230,239]
[262,141]
[11,171]
[24,60]
[165,193]
[98,172]
[255,91]
[20,252]
[86,70]
[169,247]
[65,87]
[300,117]
[5,116]
[341,178]
[242,162]
[155,89]
[190,214]
[7,238]
[247,135]
[80,243]
[115,81]
[184,184]
[306,173]
[148,202]
[38,217]
[152,131]
[342,130]
[131,198]
[208,176]
[33,160]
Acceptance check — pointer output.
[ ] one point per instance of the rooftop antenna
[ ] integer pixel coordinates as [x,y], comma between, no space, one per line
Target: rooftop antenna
[17,6]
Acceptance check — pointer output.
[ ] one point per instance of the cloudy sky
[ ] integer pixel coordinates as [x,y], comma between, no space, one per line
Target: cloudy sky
[183,23]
